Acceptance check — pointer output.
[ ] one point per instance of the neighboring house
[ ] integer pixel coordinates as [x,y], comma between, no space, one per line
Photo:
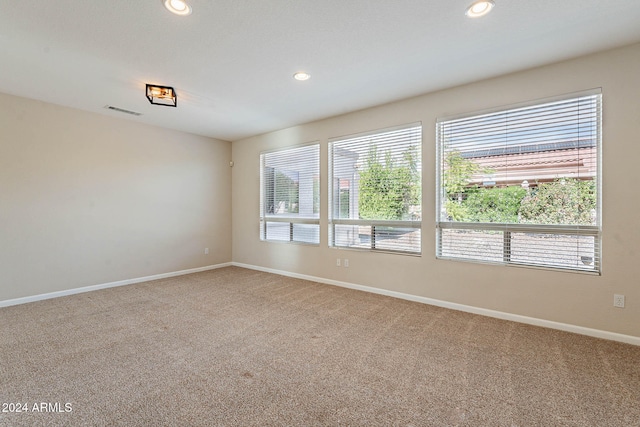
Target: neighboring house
[534,164]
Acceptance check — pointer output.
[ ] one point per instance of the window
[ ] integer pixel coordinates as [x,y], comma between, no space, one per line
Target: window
[290,195]
[375,190]
[522,186]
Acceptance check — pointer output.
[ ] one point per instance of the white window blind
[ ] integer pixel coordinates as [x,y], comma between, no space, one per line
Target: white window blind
[290,195]
[375,190]
[522,186]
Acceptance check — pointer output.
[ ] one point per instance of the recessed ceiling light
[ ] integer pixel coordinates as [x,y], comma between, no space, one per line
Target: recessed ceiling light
[179,7]
[302,76]
[479,8]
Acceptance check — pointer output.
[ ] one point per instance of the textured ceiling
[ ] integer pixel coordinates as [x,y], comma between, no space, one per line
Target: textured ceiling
[231,61]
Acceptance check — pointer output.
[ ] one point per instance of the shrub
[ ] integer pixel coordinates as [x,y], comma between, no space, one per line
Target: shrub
[567,201]
[494,204]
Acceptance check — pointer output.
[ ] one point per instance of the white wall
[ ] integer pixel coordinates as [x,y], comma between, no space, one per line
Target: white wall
[88,199]
[572,298]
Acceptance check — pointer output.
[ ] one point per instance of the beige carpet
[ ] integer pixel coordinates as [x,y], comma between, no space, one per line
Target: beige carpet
[236,347]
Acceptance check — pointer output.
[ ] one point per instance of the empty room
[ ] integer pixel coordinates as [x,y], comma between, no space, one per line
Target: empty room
[297,213]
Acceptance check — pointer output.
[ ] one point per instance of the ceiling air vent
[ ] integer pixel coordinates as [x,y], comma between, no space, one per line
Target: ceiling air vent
[122,110]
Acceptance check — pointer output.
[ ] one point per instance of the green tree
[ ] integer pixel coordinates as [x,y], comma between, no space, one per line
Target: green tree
[567,201]
[286,191]
[387,189]
[456,177]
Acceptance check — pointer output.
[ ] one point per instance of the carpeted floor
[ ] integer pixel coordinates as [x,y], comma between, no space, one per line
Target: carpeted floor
[236,347]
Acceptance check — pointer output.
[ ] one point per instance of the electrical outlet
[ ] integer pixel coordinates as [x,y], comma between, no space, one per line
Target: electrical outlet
[206,251]
[338,262]
[346,263]
[618,301]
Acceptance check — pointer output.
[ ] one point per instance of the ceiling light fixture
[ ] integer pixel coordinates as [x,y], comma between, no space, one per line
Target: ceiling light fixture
[179,7]
[479,8]
[302,76]
[162,95]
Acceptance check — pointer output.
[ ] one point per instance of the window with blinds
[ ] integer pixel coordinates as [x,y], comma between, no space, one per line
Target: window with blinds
[522,186]
[375,190]
[290,195]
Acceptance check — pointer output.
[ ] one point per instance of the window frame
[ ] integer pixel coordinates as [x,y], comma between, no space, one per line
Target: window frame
[373,223]
[593,231]
[292,220]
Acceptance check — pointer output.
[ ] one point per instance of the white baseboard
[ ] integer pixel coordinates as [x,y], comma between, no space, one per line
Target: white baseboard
[597,333]
[24,300]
